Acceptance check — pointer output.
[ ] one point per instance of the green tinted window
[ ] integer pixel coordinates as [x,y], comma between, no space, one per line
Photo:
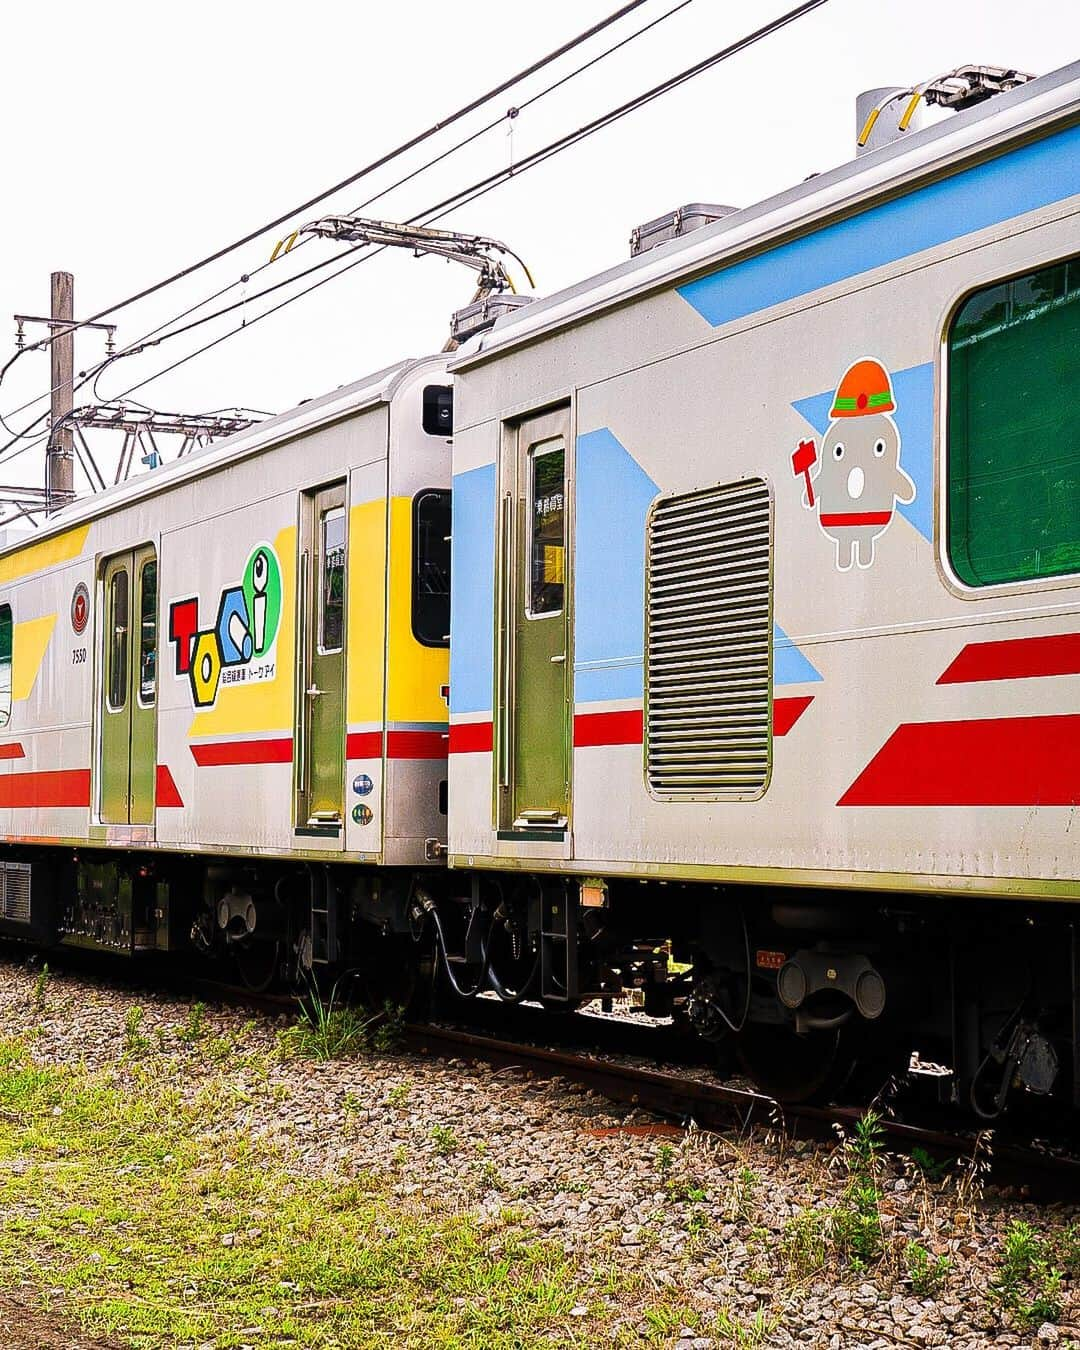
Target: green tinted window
[1014,429]
[5,665]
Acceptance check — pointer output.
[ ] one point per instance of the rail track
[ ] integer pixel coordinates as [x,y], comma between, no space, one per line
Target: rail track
[1043,1170]
[605,1056]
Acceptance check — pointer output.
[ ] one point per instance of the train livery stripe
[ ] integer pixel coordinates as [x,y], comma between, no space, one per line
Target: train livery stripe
[43,788]
[466,737]
[622,727]
[166,792]
[608,728]
[261,750]
[13,750]
[416,744]
[1015,659]
[787,711]
[52,552]
[401,744]
[952,206]
[996,761]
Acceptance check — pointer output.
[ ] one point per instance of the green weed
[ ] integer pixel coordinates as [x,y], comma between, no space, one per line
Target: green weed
[1028,1284]
[444,1139]
[399,1093]
[927,1273]
[326,1030]
[41,985]
[195,1025]
[135,1043]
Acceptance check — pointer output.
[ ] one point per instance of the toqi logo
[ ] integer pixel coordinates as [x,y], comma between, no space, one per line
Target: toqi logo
[239,648]
[80,609]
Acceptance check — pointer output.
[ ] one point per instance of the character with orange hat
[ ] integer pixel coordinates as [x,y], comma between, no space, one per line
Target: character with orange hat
[858,479]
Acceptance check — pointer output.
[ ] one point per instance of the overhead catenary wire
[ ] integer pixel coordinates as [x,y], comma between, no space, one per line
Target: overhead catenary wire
[140,343]
[487,184]
[368,169]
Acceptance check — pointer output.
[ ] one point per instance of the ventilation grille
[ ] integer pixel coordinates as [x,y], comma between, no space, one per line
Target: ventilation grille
[709,643]
[15,891]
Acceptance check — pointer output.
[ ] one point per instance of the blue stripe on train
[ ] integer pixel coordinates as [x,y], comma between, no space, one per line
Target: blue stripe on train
[988,194]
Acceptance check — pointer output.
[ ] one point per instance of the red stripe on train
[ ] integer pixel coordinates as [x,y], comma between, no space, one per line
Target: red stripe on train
[787,711]
[13,750]
[272,750]
[416,744]
[46,787]
[1015,659]
[470,736]
[608,728]
[623,727]
[996,761]
[166,793]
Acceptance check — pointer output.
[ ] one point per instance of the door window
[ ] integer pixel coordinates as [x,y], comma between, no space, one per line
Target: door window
[148,633]
[5,664]
[332,579]
[118,640]
[546,505]
[431,569]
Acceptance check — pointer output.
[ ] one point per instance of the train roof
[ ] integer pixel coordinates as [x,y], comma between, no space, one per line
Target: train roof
[372,390]
[921,155]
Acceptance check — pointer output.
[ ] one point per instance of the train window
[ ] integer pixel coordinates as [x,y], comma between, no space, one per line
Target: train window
[431,568]
[1013,511]
[547,529]
[6,631]
[118,640]
[332,579]
[708,644]
[148,633]
[437,417]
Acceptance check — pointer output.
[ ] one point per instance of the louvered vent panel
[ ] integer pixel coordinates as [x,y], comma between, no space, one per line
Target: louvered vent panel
[709,658]
[15,892]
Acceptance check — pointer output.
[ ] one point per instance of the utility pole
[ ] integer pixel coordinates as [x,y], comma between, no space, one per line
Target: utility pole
[60,455]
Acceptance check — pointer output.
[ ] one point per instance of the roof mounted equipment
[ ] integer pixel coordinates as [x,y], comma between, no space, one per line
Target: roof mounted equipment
[675,224]
[957,89]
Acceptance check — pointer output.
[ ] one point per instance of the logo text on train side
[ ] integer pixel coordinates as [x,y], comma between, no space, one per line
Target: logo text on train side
[239,647]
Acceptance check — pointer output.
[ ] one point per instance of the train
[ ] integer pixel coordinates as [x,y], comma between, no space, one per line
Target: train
[709,630]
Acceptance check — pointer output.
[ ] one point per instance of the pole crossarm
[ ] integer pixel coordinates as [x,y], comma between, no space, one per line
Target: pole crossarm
[135,421]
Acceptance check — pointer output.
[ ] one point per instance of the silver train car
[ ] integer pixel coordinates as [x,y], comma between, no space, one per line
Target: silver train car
[764,646]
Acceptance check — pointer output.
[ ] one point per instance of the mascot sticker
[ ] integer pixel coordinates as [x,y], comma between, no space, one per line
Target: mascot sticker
[240,646]
[856,482]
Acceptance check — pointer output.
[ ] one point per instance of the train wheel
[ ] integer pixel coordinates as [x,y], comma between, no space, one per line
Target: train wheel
[795,1068]
[390,971]
[257,964]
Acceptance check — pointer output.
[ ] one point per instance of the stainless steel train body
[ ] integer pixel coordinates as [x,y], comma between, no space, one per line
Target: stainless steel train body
[781,522]
[761,649]
[242,655]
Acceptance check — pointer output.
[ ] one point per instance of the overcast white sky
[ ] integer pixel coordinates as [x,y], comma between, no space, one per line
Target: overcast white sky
[139,136]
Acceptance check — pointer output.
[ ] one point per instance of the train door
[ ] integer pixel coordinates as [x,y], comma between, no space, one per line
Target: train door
[127,755]
[320,767]
[535,717]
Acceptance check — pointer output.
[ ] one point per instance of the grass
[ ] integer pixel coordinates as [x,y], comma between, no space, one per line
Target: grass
[149,1217]
[328,1028]
[1031,1271]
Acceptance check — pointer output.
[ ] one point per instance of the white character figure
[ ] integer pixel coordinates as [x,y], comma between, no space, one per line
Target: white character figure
[857,480]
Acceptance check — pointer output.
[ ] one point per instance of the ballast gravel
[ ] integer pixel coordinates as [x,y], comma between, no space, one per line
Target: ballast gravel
[724,1225]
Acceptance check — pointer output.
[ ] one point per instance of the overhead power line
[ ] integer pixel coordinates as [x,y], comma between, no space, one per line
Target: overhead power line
[364,172]
[148,339]
[487,184]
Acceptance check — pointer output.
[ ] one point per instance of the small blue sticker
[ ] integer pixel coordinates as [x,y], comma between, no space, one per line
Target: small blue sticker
[362,785]
[362,814]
